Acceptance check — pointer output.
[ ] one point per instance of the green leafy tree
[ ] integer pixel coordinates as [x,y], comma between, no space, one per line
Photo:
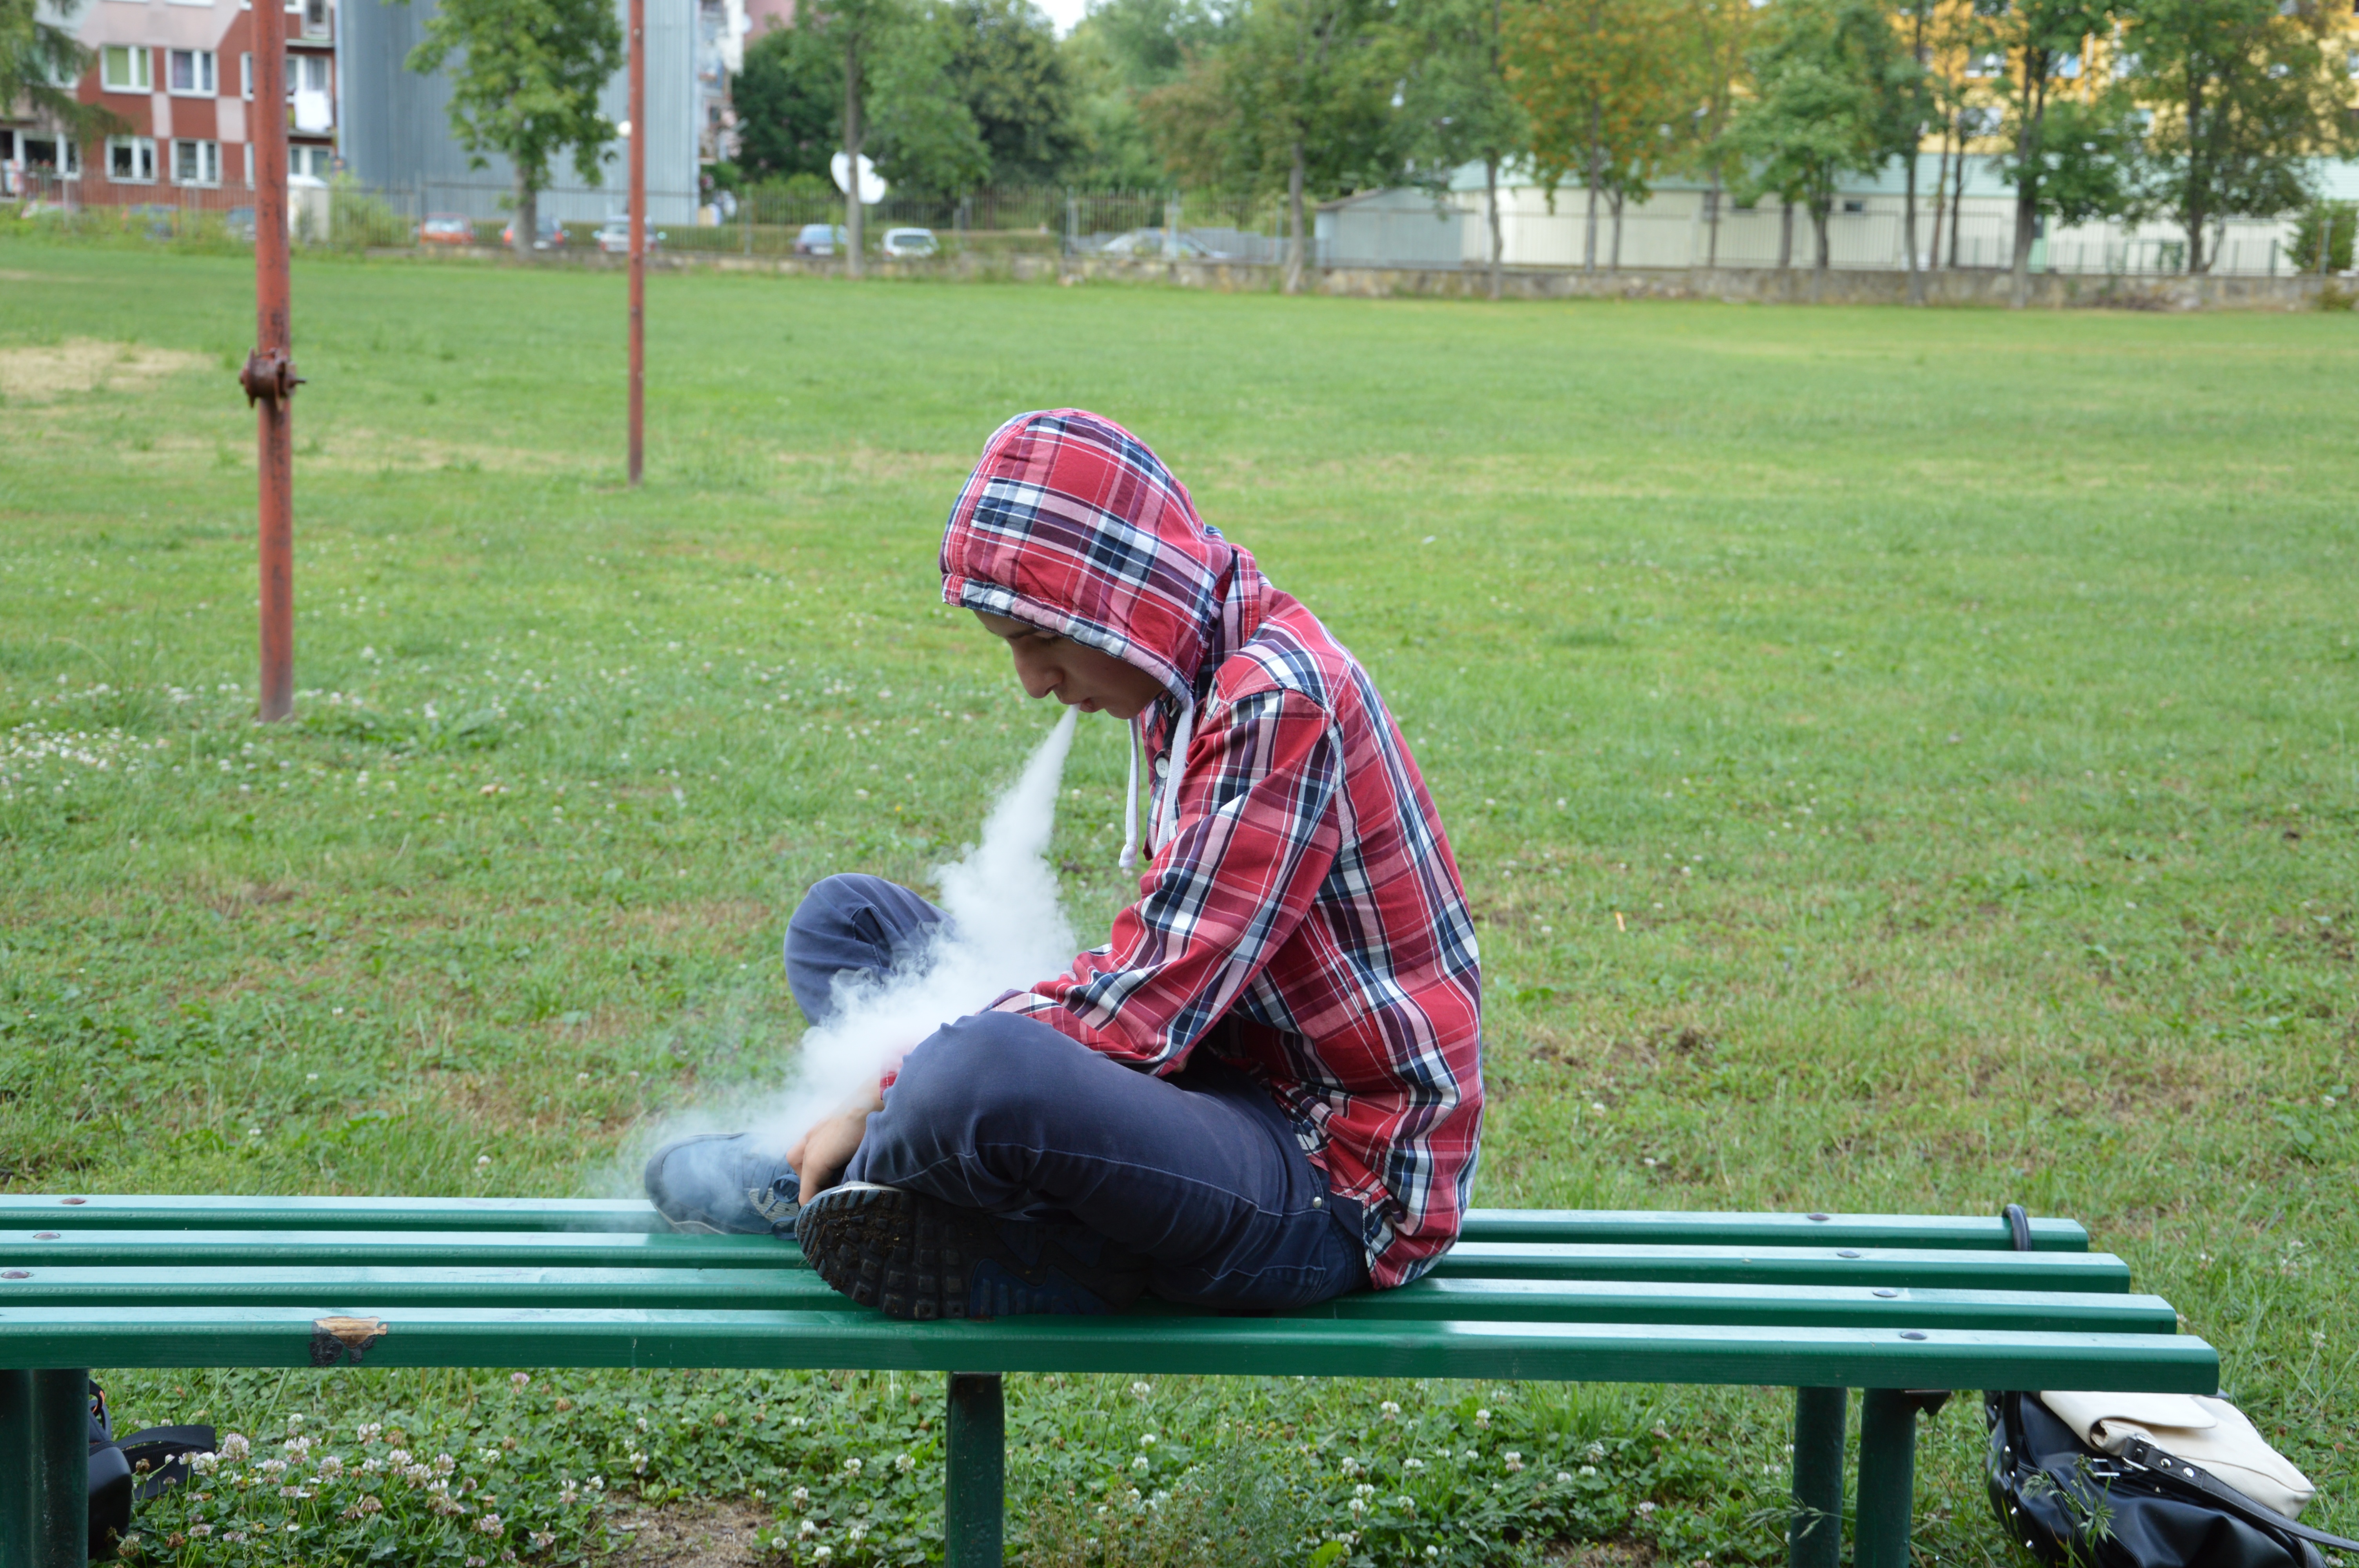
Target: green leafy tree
[1018,86]
[1123,50]
[527,85]
[39,64]
[2246,94]
[1455,104]
[1720,37]
[789,102]
[2322,236]
[1300,100]
[2071,152]
[1604,83]
[897,93]
[1835,93]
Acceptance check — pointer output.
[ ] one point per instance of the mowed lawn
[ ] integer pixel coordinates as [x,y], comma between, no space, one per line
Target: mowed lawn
[1901,760]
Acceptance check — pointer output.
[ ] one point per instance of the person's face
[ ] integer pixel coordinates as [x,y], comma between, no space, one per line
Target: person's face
[1076,676]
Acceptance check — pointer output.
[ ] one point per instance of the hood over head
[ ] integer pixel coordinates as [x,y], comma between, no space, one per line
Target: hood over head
[1071,523]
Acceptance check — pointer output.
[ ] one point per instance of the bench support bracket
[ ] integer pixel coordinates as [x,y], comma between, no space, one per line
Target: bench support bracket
[1814,1539]
[45,1468]
[1887,1477]
[977,1486]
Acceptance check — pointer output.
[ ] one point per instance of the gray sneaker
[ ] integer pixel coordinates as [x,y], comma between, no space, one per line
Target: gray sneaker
[724,1184]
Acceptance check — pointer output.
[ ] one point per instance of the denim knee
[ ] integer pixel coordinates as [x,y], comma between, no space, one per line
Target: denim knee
[984,1071]
[849,922]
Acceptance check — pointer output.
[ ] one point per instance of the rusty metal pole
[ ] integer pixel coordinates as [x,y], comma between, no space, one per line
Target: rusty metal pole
[638,156]
[269,377]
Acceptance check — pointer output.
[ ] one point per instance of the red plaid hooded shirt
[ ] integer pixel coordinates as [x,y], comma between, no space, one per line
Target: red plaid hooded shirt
[1303,895]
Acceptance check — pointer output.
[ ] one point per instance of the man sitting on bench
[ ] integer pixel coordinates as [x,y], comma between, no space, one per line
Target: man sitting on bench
[1265,1089]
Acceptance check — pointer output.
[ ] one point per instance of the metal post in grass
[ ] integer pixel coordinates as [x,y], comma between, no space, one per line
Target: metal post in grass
[269,377]
[45,1468]
[1814,1538]
[1887,1477]
[975,1477]
[638,222]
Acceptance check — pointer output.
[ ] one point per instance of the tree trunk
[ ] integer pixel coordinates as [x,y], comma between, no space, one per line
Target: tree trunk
[855,134]
[1614,265]
[1589,180]
[1820,213]
[1941,195]
[527,215]
[1294,238]
[2196,205]
[1909,232]
[1786,238]
[2026,190]
[1957,197]
[1711,223]
[1491,203]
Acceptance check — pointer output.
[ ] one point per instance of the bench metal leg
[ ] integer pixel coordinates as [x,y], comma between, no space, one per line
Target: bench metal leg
[1814,1539]
[975,1490]
[1887,1477]
[45,1468]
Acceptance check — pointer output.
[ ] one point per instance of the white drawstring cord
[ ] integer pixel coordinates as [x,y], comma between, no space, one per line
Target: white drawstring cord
[1166,814]
[1129,857]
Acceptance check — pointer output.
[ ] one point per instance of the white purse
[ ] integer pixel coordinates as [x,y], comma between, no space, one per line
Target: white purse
[2210,1432]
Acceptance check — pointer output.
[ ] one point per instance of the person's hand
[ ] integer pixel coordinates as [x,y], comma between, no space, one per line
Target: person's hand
[820,1155]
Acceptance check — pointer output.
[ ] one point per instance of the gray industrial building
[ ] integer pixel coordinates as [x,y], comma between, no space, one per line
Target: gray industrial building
[395,134]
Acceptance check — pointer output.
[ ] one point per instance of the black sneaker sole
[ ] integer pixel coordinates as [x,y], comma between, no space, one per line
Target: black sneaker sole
[919,1260]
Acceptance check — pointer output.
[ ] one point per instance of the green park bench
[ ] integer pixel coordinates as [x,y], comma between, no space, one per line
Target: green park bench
[1894,1305]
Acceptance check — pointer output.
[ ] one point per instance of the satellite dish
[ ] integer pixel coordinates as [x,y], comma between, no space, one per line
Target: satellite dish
[871,184]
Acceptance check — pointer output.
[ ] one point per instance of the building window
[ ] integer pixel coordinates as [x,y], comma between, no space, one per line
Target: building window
[1853,204]
[125,68]
[189,73]
[1989,62]
[195,162]
[315,19]
[245,77]
[131,160]
[310,163]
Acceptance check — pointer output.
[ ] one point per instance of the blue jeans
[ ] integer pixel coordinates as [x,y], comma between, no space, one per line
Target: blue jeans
[1201,1171]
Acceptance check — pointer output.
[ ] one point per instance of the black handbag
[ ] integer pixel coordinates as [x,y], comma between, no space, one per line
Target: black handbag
[2066,1503]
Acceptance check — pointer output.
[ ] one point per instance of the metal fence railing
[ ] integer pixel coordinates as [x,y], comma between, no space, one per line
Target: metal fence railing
[1396,231]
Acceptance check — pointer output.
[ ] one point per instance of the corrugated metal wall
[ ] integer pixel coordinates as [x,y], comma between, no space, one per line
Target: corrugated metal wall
[397,123]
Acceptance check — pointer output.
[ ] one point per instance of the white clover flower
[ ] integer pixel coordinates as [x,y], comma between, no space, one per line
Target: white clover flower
[1433,1551]
[416,1475]
[596,1483]
[856,1533]
[903,1463]
[799,1497]
[1139,1463]
[368,1431]
[519,1380]
[1351,1465]
[1594,1451]
[1358,1506]
[1412,1464]
[1406,1503]
[1482,1418]
[1645,1508]
[271,1466]
[371,1465]
[445,1463]
[330,1467]
[810,1528]
[1389,1410]
[201,1530]
[1147,1441]
[295,1420]
[297,1447]
[203,1463]
[1363,1491]
[398,1458]
[638,1464]
[643,1424]
[1586,1469]
[821,1553]
[852,1466]
[489,1524]
[1141,1389]
[1515,1461]
[371,1505]
[235,1448]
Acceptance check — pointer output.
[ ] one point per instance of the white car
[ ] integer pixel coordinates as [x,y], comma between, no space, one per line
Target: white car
[910,242]
[614,236]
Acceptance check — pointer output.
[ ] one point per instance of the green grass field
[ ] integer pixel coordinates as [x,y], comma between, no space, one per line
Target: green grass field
[1901,761]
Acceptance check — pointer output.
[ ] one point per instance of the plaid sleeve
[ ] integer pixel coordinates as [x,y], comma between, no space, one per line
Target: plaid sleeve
[1256,836]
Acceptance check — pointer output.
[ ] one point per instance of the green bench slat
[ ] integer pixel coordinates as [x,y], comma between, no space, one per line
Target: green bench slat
[378,1290]
[1920,1266]
[1788,1266]
[36,1211]
[1703,1229]
[1806,1357]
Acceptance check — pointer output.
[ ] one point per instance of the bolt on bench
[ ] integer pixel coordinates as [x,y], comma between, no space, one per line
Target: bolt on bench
[1894,1305]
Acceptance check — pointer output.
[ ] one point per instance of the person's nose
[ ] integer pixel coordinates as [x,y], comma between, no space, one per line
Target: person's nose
[1039,678]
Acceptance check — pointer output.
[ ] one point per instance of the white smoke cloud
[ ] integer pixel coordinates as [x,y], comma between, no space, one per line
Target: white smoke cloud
[1006,928]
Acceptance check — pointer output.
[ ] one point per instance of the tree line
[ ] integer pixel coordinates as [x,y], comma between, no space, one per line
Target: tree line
[2198,111]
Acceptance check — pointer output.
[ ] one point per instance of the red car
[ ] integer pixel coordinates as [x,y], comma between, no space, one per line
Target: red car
[446,229]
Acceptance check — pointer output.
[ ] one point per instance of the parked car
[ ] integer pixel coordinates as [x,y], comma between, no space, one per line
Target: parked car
[821,240]
[614,236]
[446,228]
[549,234]
[909,242]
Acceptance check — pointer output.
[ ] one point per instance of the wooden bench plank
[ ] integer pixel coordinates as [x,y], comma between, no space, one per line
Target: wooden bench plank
[1624,1352]
[36,1211]
[1914,1267]
[380,1288]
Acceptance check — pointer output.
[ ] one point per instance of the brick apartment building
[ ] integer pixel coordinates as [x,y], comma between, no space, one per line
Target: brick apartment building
[179,74]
